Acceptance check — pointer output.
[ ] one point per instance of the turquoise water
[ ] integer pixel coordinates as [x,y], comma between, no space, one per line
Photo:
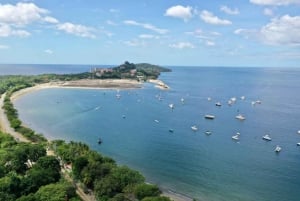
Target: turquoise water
[211,168]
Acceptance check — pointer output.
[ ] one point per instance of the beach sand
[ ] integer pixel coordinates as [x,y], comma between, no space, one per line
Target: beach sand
[98,84]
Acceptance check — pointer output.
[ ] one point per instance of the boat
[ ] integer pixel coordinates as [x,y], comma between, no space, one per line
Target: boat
[298,144]
[218,104]
[171,130]
[230,102]
[240,117]
[298,131]
[233,99]
[99,140]
[209,116]
[258,101]
[118,96]
[194,128]
[236,137]
[209,98]
[156,121]
[277,149]
[267,137]
[171,106]
[208,132]
[182,100]
[243,97]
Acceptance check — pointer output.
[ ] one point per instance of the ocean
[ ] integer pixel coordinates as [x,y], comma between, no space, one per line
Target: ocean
[135,129]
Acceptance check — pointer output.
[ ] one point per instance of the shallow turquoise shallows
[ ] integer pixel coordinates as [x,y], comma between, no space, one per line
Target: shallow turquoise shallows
[141,130]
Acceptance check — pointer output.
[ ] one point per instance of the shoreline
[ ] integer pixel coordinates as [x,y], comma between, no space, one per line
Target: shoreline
[168,193]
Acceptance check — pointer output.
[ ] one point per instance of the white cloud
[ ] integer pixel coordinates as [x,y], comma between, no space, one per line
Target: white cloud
[4,47]
[210,18]
[135,43]
[148,36]
[182,45]
[6,31]
[51,20]
[275,2]
[210,43]
[280,31]
[77,29]
[181,12]
[268,12]
[109,22]
[21,13]
[229,11]
[146,26]
[48,51]
[113,10]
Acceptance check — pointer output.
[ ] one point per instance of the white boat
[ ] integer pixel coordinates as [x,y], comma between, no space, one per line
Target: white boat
[156,121]
[298,131]
[267,137]
[298,144]
[209,98]
[233,99]
[243,97]
[171,106]
[118,96]
[218,104]
[240,117]
[209,116]
[277,149]
[182,100]
[236,137]
[208,132]
[230,102]
[194,128]
[258,102]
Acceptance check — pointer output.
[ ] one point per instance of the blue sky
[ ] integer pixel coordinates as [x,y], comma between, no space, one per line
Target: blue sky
[172,32]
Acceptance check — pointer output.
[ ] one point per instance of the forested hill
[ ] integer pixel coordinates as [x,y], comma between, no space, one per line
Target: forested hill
[141,71]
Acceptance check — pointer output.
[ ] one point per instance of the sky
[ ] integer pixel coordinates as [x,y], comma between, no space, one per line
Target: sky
[250,33]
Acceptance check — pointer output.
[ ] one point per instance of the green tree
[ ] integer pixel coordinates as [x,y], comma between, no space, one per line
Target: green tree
[161,198]
[56,192]
[146,190]
[78,166]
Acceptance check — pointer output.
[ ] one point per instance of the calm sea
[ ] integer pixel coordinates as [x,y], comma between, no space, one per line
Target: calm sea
[135,130]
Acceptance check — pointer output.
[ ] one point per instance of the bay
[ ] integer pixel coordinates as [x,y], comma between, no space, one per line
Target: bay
[135,130]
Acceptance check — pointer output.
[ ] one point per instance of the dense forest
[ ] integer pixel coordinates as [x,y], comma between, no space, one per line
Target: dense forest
[28,173]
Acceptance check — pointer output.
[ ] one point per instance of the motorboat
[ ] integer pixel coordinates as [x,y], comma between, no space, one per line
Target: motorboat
[277,149]
[156,121]
[218,104]
[298,131]
[236,137]
[99,141]
[240,117]
[267,137]
[171,130]
[208,132]
[298,144]
[194,128]
[209,116]
[243,97]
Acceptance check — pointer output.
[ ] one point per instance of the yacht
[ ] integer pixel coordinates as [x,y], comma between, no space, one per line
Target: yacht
[209,116]
[298,144]
[240,117]
[298,131]
[277,149]
[267,137]
[236,137]
[194,128]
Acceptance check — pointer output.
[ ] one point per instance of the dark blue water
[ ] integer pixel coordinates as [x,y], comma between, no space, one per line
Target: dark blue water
[212,168]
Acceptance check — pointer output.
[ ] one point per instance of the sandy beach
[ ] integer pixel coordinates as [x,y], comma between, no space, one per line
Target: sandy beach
[98,84]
